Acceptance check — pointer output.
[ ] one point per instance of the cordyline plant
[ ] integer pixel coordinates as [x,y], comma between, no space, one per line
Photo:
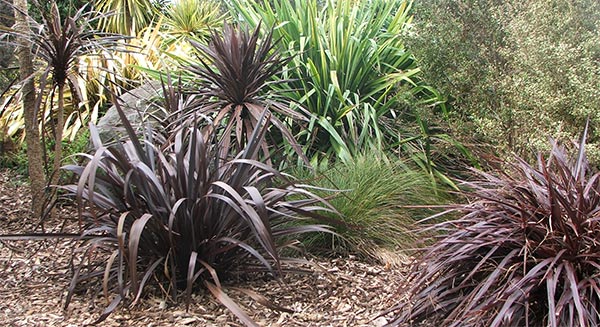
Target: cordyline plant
[525,252]
[61,43]
[171,210]
[235,70]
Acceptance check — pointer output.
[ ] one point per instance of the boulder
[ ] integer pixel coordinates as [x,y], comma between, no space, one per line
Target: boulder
[139,108]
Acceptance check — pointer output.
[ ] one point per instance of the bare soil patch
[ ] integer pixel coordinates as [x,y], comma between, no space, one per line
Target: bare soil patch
[34,276]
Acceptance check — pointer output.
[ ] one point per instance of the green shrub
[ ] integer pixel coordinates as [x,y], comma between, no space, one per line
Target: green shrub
[515,71]
[524,251]
[17,158]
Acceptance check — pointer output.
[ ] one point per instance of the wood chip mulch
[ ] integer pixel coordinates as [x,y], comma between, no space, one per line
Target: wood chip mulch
[34,276]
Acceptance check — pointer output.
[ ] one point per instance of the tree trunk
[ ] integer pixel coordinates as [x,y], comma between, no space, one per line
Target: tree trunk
[30,113]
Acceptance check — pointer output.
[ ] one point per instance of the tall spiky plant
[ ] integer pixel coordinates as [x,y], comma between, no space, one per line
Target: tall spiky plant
[235,70]
[171,208]
[60,43]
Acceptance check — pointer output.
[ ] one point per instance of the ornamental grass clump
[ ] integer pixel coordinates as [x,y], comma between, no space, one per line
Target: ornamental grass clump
[169,211]
[378,202]
[524,252]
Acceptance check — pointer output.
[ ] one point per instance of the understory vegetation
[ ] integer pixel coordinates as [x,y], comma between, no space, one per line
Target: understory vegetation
[382,129]
[380,199]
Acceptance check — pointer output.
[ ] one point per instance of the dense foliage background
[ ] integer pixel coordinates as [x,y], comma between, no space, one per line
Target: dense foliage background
[243,124]
[514,72]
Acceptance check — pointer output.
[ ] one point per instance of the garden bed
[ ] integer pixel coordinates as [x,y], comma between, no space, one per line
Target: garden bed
[36,274]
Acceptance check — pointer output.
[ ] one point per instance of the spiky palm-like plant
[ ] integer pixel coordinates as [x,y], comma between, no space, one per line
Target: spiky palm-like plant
[60,43]
[193,19]
[235,70]
[126,17]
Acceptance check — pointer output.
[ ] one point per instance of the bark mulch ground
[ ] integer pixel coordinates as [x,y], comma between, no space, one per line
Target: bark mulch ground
[34,276]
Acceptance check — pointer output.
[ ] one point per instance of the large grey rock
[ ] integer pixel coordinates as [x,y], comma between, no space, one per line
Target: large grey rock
[139,108]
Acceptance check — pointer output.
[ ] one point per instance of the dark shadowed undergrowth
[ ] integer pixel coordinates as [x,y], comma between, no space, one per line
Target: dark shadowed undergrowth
[524,252]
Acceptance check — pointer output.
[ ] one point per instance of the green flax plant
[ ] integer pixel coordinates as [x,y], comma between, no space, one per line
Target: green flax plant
[523,252]
[349,63]
[168,210]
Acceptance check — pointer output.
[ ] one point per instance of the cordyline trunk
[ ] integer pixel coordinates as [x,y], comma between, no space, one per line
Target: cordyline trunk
[32,136]
[60,125]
